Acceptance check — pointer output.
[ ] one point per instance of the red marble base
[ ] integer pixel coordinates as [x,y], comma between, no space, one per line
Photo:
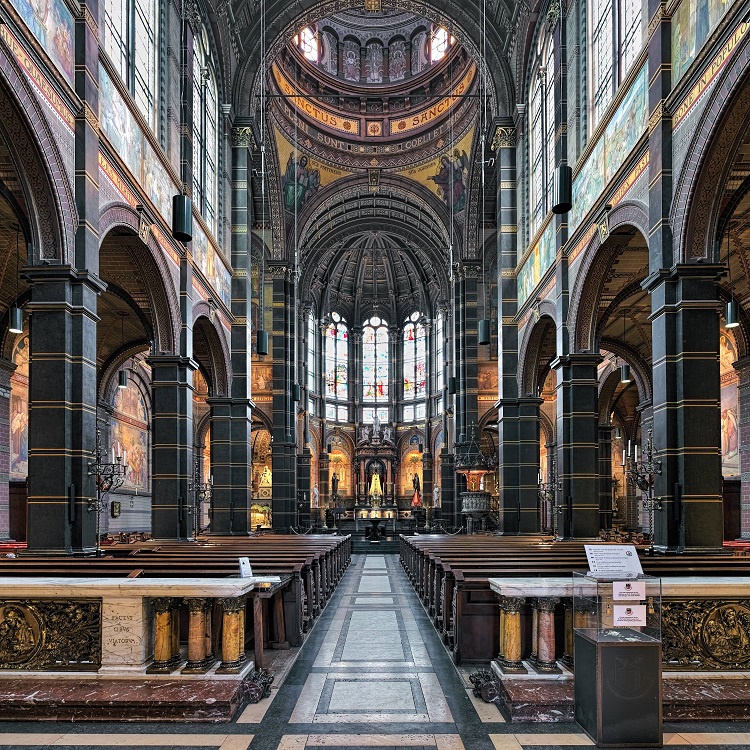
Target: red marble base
[684,700]
[208,700]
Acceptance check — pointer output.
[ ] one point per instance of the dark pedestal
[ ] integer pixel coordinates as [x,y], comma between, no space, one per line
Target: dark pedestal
[618,690]
[731,509]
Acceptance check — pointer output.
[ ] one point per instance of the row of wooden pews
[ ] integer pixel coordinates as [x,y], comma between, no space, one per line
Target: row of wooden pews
[274,615]
[451,575]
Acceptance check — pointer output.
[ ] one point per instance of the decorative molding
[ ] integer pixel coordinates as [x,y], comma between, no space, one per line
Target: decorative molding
[553,14]
[656,19]
[504,138]
[242,137]
[508,184]
[508,229]
[657,116]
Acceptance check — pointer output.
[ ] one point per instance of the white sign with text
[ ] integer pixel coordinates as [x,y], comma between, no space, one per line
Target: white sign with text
[628,591]
[245,570]
[613,560]
[629,615]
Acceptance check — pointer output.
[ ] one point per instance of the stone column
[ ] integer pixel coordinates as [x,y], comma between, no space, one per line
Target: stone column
[686,419]
[231,417]
[577,444]
[6,371]
[232,635]
[62,409]
[605,476]
[284,446]
[199,652]
[172,445]
[511,663]
[546,661]
[166,657]
[743,406]
[518,435]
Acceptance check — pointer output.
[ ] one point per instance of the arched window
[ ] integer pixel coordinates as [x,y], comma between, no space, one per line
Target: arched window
[205,131]
[337,359]
[307,41]
[615,38]
[440,43]
[130,42]
[311,352]
[439,349]
[542,134]
[375,368]
[415,366]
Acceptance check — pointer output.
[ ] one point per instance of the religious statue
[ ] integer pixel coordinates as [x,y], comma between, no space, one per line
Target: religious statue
[364,434]
[387,435]
[335,485]
[265,477]
[416,484]
[376,488]
[435,496]
[376,425]
[315,496]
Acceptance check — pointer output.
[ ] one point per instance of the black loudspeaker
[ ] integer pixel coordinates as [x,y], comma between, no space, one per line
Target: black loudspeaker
[329,448]
[262,345]
[182,218]
[295,392]
[484,332]
[451,385]
[563,198]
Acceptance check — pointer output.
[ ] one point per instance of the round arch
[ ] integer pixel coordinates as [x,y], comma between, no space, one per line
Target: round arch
[529,352]
[210,348]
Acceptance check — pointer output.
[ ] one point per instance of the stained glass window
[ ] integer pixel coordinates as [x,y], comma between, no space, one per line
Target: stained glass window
[631,33]
[311,349]
[307,41]
[439,349]
[368,415]
[536,152]
[205,131]
[130,42]
[337,358]
[601,57]
[542,127]
[375,361]
[440,42]
[415,360]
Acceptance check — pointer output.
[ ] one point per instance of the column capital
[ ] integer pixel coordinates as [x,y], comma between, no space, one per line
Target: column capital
[243,137]
[504,137]
[575,359]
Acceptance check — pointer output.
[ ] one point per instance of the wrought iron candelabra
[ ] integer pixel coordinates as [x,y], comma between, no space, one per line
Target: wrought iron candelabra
[548,493]
[640,475]
[203,493]
[108,475]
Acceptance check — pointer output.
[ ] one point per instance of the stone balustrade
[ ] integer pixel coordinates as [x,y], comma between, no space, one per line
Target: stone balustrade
[705,624]
[122,626]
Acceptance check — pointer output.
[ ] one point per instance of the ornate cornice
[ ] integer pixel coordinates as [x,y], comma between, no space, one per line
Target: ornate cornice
[504,138]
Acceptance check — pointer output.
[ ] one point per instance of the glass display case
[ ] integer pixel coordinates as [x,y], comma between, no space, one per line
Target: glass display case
[617,659]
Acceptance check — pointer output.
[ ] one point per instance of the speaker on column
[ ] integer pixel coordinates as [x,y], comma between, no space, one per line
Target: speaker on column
[295,392]
[563,194]
[182,218]
[262,343]
[484,332]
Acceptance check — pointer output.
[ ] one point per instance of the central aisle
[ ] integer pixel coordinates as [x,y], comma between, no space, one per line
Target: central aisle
[373,665]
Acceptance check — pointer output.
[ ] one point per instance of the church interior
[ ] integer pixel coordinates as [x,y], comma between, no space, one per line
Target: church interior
[374,373]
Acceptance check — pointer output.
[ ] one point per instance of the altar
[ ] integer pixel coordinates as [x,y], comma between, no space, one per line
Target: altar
[376,516]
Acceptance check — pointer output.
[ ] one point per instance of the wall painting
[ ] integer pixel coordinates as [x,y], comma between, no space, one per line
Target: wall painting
[130,422]
[51,23]
[19,411]
[541,258]
[730,455]
[692,23]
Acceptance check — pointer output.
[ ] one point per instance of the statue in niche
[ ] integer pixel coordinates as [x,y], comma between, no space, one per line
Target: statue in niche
[435,496]
[265,477]
[335,485]
[364,434]
[387,434]
[416,484]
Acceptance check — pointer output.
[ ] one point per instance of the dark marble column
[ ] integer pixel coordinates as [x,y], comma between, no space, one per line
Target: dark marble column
[577,444]
[171,446]
[605,476]
[62,409]
[284,446]
[304,490]
[518,436]
[686,419]
[450,504]
[231,417]
[6,371]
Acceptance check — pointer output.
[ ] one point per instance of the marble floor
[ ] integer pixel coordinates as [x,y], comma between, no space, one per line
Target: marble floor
[372,674]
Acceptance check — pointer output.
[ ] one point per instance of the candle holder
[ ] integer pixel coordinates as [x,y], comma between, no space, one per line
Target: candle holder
[548,494]
[640,474]
[203,492]
[108,476]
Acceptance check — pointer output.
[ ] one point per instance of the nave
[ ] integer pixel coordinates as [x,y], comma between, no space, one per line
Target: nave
[372,673]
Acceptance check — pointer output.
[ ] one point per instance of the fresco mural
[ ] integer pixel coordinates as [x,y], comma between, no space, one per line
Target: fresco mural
[51,23]
[300,182]
[588,184]
[119,126]
[692,23]
[541,258]
[211,265]
[19,411]
[130,433]
[626,126]
[397,60]
[447,174]
[729,378]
